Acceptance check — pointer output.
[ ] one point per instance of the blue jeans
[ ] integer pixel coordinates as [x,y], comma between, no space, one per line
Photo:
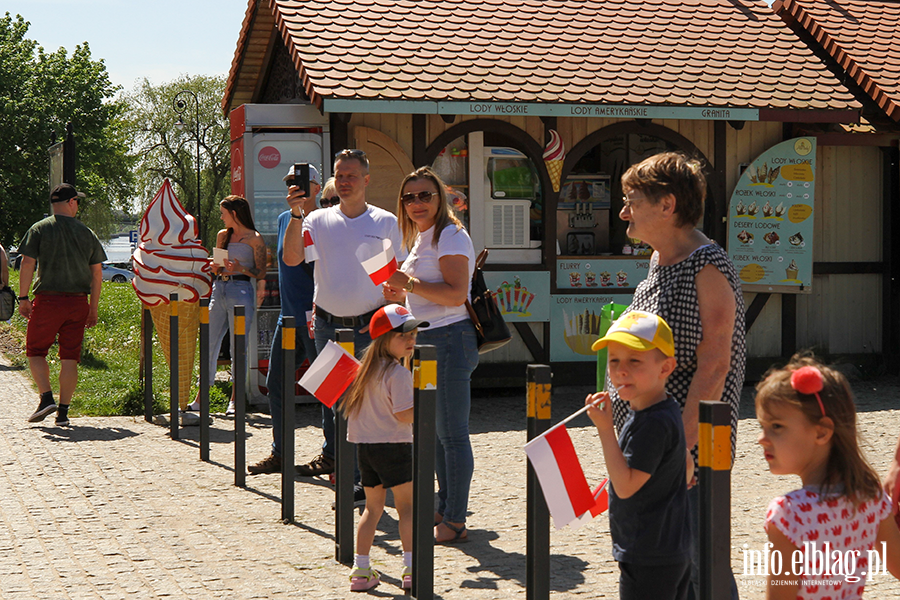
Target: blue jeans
[457,357]
[225,296]
[305,349]
[324,332]
[694,518]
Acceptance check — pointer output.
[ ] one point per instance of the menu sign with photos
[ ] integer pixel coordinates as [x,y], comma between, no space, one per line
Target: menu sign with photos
[770,219]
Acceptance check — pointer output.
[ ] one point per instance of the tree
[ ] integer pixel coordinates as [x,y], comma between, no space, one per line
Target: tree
[39,94]
[163,150]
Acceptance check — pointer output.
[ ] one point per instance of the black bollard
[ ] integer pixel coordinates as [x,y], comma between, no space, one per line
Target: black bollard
[239,382]
[343,472]
[288,471]
[715,500]
[204,379]
[537,533]
[147,355]
[425,397]
[173,366]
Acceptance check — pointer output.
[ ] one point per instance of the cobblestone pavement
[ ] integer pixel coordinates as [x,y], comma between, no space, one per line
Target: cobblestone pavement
[113,508]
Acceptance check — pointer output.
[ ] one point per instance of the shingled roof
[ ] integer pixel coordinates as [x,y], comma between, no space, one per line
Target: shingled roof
[700,53]
[862,37]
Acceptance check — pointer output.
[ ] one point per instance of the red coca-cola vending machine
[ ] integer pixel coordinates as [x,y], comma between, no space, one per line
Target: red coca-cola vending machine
[266,139]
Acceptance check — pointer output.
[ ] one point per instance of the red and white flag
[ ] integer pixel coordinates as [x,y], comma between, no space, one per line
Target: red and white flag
[309,248]
[381,266]
[330,374]
[601,505]
[566,490]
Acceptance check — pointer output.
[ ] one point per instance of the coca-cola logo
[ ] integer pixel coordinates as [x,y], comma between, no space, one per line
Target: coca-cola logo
[269,157]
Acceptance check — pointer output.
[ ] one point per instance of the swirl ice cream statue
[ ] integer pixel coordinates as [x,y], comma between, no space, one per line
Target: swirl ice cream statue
[169,258]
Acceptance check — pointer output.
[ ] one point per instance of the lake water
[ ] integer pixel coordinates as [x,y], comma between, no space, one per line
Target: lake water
[118,249]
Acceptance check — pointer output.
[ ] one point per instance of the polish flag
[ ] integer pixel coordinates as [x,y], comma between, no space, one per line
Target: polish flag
[309,248]
[566,490]
[601,505]
[381,266]
[330,374]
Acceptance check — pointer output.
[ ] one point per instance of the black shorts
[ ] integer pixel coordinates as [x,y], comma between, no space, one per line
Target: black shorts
[384,464]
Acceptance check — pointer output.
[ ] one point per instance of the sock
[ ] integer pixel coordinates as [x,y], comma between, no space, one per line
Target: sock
[47,397]
[361,561]
[407,559]
[62,412]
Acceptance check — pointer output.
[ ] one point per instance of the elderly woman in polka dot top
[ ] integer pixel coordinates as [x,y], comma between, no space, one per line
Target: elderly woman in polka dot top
[693,285]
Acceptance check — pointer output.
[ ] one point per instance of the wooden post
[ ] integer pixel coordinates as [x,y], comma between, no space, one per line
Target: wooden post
[239,379]
[343,472]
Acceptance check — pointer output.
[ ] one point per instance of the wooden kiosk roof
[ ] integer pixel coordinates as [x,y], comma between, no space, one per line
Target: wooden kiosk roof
[436,56]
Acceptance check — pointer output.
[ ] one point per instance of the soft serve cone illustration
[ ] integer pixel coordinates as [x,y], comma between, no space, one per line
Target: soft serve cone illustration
[554,155]
[169,259]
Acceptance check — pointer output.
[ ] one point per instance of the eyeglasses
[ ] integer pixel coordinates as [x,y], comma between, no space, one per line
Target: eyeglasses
[354,153]
[423,197]
[629,204]
[332,201]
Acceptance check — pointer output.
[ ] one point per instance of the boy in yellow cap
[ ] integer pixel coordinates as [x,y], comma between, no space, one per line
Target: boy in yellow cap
[648,463]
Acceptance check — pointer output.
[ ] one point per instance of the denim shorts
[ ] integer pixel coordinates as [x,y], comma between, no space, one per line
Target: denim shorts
[384,464]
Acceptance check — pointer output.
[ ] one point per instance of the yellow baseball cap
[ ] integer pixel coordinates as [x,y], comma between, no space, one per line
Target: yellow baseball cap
[640,331]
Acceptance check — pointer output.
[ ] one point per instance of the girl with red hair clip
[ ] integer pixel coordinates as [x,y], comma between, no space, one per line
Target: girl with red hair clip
[836,530]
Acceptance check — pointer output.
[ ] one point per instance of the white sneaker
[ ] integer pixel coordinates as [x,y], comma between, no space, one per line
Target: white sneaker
[229,412]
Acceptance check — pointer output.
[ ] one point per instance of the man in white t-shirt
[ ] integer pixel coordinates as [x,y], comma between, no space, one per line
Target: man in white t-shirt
[338,239]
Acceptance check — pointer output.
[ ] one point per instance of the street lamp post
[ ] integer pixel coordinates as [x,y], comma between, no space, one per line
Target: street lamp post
[180,106]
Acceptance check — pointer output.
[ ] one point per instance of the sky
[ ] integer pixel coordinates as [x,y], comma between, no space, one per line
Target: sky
[156,39]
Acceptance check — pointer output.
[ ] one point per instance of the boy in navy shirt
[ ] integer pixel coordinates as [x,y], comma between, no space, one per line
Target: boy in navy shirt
[648,463]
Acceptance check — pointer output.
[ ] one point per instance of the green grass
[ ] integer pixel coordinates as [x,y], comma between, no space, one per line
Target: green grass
[108,376]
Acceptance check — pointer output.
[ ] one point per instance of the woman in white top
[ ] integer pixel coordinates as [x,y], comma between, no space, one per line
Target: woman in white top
[435,282]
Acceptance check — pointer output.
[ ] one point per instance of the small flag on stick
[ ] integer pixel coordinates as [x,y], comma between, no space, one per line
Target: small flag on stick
[601,505]
[565,487]
[381,266]
[330,374]
[309,248]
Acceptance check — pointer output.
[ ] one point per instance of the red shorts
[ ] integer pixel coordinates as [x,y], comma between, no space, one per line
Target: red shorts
[52,315]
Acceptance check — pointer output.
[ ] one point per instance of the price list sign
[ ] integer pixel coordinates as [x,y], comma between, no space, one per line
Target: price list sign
[770,219]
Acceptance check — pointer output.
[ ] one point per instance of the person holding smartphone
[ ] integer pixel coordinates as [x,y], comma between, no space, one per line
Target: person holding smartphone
[295,286]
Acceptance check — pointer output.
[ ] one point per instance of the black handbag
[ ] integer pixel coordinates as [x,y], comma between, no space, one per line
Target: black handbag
[490,328]
[7,303]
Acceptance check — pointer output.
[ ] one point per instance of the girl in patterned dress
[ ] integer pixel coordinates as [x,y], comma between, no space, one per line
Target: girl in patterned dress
[808,422]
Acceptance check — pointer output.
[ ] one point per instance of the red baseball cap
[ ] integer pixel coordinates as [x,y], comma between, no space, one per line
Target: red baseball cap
[393,317]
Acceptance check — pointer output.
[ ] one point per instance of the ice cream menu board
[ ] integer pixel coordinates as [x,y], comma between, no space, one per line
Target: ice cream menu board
[521,295]
[771,219]
[602,274]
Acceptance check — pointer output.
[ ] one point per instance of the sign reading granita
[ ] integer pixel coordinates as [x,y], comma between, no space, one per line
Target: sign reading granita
[269,157]
[770,219]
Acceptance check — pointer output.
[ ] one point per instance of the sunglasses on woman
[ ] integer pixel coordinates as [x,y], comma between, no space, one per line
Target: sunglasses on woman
[332,201]
[423,197]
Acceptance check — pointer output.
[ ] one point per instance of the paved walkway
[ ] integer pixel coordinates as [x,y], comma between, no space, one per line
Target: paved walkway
[113,508]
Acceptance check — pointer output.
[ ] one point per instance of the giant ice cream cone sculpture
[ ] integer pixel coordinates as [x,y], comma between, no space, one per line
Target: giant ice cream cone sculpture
[169,259]
[554,155]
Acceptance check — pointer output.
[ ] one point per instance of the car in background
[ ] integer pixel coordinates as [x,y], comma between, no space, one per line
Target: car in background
[115,274]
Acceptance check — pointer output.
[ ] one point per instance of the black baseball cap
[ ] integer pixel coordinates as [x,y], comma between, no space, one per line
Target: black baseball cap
[63,192]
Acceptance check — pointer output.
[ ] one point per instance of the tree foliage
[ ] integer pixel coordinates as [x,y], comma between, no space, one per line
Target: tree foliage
[39,93]
[164,150]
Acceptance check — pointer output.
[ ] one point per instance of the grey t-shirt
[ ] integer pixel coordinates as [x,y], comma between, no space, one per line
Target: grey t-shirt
[64,249]
[375,422]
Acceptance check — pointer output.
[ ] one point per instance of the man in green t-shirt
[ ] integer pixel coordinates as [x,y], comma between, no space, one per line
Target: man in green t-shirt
[68,257]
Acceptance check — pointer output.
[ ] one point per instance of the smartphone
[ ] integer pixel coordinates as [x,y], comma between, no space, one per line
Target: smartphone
[301,177]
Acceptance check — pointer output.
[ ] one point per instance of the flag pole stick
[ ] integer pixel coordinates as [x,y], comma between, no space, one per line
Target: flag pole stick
[578,412]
